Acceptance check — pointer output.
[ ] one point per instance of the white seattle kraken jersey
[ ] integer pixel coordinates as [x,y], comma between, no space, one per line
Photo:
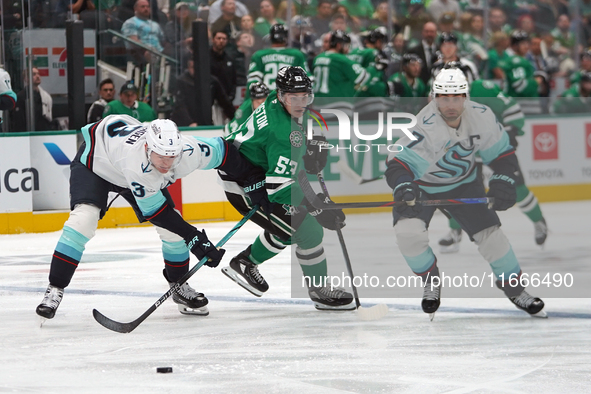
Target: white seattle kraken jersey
[442,157]
[5,86]
[116,151]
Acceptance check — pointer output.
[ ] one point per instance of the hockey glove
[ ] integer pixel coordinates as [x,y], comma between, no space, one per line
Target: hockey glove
[408,192]
[255,190]
[200,246]
[330,219]
[512,133]
[502,189]
[316,154]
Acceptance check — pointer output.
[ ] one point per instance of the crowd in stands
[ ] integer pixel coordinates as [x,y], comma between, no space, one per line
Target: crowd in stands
[524,46]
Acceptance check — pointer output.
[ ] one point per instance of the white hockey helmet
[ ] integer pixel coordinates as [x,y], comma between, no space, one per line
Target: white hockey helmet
[450,81]
[163,138]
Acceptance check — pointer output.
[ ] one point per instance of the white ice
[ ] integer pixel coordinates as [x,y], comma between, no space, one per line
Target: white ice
[278,344]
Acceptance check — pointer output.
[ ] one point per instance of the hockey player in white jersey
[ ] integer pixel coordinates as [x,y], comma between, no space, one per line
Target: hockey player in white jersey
[122,155]
[7,95]
[440,164]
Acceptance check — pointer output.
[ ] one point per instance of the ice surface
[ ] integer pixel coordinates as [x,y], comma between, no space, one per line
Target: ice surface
[277,344]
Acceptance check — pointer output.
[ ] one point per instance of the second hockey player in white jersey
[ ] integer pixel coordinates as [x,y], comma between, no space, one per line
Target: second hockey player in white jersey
[122,155]
[440,164]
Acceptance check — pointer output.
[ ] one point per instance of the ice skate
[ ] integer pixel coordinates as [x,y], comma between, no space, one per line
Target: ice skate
[451,242]
[431,297]
[189,301]
[51,301]
[541,231]
[327,298]
[246,273]
[532,305]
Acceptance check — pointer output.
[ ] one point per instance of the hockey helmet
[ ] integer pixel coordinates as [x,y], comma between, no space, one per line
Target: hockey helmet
[410,58]
[258,90]
[376,35]
[278,34]
[448,37]
[338,36]
[381,61]
[450,81]
[518,36]
[293,79]
[586,77]
[164,139]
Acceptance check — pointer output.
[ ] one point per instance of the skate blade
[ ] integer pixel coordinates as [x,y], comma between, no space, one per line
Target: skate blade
[42,321]
[541,314]
[185,310]
[453,248]
[323,307]
[431,316]
[375,312]
[230,273]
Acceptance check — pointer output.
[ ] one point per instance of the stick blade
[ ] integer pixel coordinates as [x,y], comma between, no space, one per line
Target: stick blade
[113,325]
[375,312]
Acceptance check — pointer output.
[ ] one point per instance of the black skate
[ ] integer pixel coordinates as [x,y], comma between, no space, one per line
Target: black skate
[189,301]
[540,231]
[246,273]
[51,301]
[431,297]
[532,305]
[451,242]
[327,298]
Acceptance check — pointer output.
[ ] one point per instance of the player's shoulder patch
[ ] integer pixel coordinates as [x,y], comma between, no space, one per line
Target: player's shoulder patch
[488,84]
[296,138]
[238,113]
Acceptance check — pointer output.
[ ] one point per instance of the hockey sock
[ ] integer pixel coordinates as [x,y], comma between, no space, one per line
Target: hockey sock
[66,257]
[528,203]
[313,263]
[265,247]
[176,259]
[453,224]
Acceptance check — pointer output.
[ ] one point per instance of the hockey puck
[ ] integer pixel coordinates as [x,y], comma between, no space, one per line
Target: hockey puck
[164,369]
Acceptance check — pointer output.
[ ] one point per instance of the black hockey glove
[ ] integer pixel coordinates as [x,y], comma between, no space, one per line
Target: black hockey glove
[316,154]
[255,190]
[512,133]
[332,219]
[200,246]
[502,188]
[410,193]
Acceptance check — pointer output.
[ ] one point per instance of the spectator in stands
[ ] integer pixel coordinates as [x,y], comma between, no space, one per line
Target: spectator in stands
[353,22]
[584,67]
[106,95]
[142,29]
[438,7]
[178,31]
[303,35]
[42,106]
[362,10]
[128,104]
[12,13]
[185,99]
[541,67]
[472,6]
[577,99]
[78,7]
[321,21]
[564,44]
[281,11]
[247,26]
[473,43]
[339,22]
[241,56]
[527,24]
[426,50]
[267,19]
[228,22]
[380,17]
[395,50]
[222,66]
[497,21]
[498,52]
[215,10]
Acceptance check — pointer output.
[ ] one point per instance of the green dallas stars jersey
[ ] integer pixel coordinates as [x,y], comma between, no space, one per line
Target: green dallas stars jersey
[265,63]
[335,75]
[242,113]
[403,89]
[519,74]
[270,139]
[364,56]
[570,101]
[506,109]
[376,87]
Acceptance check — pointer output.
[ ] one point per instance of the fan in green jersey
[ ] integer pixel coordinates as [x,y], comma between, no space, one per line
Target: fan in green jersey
[585,66]
[258,93]
[577,99]
[336,75]
[273,139]
[265,63]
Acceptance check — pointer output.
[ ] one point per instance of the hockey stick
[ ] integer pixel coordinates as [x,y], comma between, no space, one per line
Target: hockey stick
[129,327]
[375,312]
[349,172]
[319,204]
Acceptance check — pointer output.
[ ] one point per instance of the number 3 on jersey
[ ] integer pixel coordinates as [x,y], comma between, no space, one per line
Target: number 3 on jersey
[286,166]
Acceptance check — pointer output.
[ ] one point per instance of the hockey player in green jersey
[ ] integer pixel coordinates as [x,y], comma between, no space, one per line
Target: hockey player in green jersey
[377,85]
[509,113]
[335,75]
[366,56]
[520,80]
[407,84]
[273,138]
[265,63]
[258,94]
[585,66]
[577,99]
